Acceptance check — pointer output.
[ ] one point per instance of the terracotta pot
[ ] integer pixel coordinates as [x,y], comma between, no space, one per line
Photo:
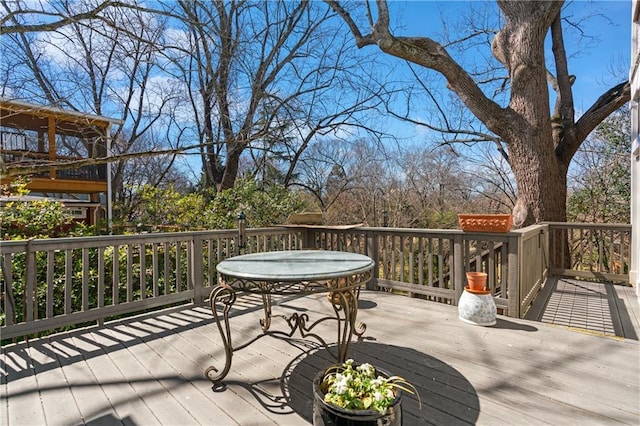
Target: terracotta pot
[485,222]
[477,280]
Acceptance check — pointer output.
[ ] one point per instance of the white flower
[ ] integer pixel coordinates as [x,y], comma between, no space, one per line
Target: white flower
[341,384]
[367,369]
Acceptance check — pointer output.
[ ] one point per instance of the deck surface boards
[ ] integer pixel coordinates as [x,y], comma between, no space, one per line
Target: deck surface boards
[88,394]
[122,396]
[554,373]
[22,400]
[150,369]
[151,392]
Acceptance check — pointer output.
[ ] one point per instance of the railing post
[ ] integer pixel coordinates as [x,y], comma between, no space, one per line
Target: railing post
[197,271]
[307,239]
[9,302]
[372,252]
[458,267]
[545,265]
[513,276]
[30,281]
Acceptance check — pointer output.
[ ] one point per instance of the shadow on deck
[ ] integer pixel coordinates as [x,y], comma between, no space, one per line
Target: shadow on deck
[150,369]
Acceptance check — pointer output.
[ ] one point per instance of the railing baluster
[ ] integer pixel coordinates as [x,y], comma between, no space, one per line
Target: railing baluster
[115,290]
[7,277]
[178,267]
[50,282]
[167,276]
[85,279]
[393,257]
[210,274]
[491,266]
[101,274]
[129,272]
[430,260]
[30,284]
[440,263]
[155,269]
[421,261]
[189,255]
[68,285]
[143,270]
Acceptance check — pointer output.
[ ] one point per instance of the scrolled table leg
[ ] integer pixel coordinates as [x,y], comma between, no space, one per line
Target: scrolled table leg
[359,328]
[265,322]
[347,305]
[224,297]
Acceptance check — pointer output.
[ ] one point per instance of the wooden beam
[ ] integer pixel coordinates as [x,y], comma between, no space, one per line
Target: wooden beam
[66,185]
[51,129]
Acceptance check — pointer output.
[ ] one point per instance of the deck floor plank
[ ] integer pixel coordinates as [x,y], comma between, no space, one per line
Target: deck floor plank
[90,397]
[22,398]
[122,395]
[150,369]
[151,391]
[57,397]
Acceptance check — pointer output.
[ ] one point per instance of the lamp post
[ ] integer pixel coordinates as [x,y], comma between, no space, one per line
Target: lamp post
[242,219]
[385,213]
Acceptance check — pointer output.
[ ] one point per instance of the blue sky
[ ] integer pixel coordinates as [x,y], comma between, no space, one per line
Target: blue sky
[606,46]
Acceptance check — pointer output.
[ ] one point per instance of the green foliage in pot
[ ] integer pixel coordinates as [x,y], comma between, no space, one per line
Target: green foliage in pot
[359,387]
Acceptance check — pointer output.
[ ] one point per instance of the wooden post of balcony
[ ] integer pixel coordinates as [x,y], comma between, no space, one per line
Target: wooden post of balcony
[40,141]
[197,270]
[373,252]
[308,239]
[51,127]
[513,276]
[29,314]
[458,267]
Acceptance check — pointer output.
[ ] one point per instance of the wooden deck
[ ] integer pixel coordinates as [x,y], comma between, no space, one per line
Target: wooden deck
[149,369]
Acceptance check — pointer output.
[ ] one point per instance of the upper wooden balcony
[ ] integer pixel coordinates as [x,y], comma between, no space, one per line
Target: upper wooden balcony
[33,135]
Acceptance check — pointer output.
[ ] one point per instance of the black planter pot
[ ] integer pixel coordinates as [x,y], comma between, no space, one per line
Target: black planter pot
[325,414]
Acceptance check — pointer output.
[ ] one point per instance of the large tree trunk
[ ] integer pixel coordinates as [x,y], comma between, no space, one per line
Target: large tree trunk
[542,186]
[540,174]
[230,174]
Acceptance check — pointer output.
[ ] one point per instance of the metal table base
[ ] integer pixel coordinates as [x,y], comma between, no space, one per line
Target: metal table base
[342,294]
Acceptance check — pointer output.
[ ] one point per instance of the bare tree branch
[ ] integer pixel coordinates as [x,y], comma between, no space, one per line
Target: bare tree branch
[32,167]
[51,26]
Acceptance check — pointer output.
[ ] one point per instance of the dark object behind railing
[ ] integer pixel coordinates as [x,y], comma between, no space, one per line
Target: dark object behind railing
[94,172]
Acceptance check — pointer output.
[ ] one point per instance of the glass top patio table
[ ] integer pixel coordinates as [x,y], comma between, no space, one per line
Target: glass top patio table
[297,272]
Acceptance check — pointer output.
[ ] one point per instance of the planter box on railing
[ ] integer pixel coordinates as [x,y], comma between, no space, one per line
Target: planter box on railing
[485,222]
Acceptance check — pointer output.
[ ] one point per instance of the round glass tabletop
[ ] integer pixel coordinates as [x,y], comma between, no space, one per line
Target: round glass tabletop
[295,265]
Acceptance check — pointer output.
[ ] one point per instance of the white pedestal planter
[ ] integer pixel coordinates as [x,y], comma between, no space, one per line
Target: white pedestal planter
[477,307]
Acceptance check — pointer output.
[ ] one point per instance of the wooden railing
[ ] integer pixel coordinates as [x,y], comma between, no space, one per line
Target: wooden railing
[57,282]
[53,283]
[432,263]
[587,250]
